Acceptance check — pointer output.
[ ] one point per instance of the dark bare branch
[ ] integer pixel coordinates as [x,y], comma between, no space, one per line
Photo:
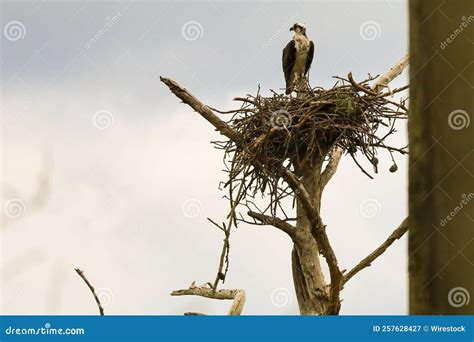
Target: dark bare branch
[367,261]
[201,108]
[89,285]
[224,258]
[274,221]
[360,87]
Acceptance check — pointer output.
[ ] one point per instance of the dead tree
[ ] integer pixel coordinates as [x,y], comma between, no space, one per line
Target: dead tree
[287,149]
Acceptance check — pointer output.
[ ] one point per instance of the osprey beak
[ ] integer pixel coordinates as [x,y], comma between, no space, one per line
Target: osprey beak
[292,29]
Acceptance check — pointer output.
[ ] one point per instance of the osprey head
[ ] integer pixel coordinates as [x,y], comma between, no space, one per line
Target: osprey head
[299,28]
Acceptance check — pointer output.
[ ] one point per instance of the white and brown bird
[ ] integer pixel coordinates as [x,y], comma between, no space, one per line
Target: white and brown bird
[297,57]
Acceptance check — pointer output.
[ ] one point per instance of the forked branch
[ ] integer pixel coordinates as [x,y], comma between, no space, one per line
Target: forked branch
[237,295]
[318,230]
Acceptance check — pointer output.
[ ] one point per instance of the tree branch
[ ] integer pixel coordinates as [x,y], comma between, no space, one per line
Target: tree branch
[394,71]
[201,108]
[331,167]
[274,221]
[318,230]
[366,262]
[203,291]
[224,258]
[89,285]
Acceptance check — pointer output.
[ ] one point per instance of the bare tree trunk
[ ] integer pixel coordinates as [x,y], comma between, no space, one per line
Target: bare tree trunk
[441,236]
[308,278]
[310,285]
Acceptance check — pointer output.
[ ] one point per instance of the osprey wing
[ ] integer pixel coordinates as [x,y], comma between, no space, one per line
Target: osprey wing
[309,60]
[288,60]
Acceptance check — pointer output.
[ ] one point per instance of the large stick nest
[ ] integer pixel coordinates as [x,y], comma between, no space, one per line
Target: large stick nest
[280,131]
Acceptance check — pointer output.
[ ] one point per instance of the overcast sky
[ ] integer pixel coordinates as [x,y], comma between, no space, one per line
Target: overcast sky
[112,174]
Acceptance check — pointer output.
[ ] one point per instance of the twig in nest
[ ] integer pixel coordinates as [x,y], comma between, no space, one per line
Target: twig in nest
[89,285]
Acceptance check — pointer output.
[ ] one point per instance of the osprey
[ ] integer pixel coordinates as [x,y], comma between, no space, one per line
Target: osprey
[297,57]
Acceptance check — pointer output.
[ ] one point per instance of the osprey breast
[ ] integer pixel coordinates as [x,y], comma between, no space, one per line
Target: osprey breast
[302,48]
[301,43]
